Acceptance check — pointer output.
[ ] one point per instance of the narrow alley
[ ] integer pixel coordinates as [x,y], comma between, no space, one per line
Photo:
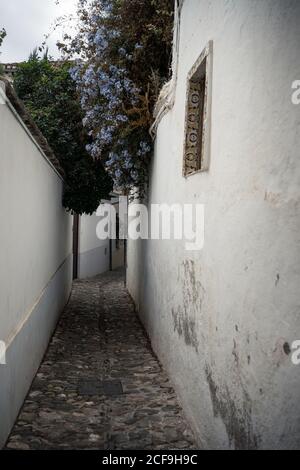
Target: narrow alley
[100,385]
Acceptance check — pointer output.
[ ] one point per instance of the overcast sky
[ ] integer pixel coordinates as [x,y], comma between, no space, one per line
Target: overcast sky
[26,22]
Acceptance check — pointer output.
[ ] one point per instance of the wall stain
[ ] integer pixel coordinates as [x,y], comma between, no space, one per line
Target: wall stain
[235,354]
[237,420]
[281,351]
[185,316]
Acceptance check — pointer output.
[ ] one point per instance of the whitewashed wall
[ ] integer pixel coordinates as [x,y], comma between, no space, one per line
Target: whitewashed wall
[35,260]
[93,252]
[222,320]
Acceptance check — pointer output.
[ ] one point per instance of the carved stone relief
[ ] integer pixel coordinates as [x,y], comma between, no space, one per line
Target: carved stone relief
[194,126]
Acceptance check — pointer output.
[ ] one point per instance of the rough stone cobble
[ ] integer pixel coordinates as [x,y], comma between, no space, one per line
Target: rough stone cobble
[100,385]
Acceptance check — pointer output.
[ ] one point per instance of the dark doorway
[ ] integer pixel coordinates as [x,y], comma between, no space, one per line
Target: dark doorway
[75,245]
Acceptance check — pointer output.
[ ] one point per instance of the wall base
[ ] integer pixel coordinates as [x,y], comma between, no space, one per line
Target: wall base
[93,262]
[25,353]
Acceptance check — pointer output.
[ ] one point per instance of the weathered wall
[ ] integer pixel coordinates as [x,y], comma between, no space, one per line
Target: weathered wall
[93,253]
[222,320]
[35,260]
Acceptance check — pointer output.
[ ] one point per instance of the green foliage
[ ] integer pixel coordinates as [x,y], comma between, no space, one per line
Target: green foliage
[2,36]
[50,96]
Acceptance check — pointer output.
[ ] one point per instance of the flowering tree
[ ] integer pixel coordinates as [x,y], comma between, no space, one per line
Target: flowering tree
[124,49]
[50,96]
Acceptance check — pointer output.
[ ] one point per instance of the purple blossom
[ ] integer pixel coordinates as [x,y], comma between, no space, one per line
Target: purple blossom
[104,89]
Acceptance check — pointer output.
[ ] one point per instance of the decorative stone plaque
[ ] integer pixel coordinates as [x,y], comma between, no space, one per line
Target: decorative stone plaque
[194,127]
[197,124]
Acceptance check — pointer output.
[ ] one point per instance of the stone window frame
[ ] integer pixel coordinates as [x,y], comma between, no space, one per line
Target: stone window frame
[204,60]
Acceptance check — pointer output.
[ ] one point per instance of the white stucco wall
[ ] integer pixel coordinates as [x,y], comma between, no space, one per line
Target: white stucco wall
[93,252]
[220,319]
[35,260]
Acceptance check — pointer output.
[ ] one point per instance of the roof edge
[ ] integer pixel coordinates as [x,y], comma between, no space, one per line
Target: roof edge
[33,129]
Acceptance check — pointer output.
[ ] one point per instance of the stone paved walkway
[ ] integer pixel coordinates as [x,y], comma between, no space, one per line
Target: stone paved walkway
[100,386]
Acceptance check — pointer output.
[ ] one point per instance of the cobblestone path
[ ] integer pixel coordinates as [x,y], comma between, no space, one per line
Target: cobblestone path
[100,386]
